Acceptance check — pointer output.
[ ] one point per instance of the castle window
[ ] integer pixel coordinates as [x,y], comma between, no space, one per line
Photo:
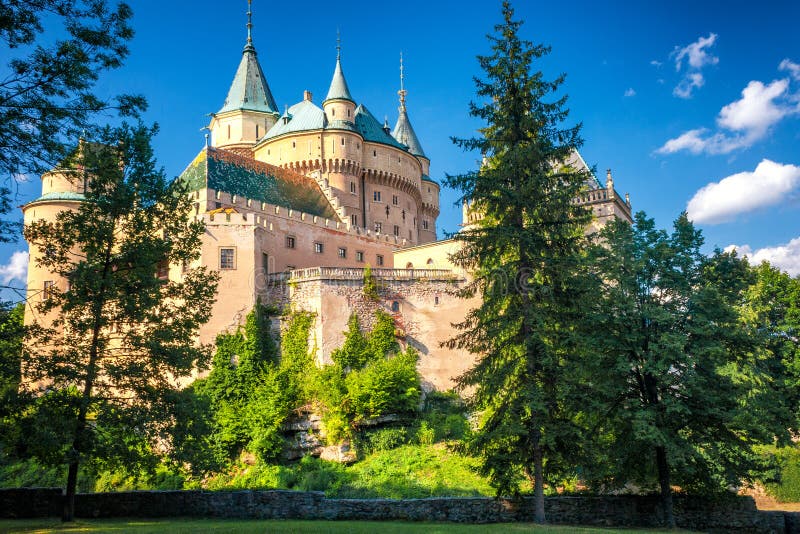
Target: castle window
[376,196]
[353,187]
[359,255]
[256,131]
[429,262]
[429,189]
[396,230]
[395,306]
[342,252]
[378,228]
[162,270]
[265,262]
[229,131]
[436,300]
[395,200]
[227,258]
[249,202]
[403,213]
[234,198]
[348,112]
[294,144]
[289,241]
[424,224]
[263,206]
[218,195]
[49,290]
[354,219]
[379,260]
[374,153]
[319,248]
[342,141]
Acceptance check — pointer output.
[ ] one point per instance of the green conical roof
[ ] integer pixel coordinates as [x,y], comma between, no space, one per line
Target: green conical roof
[404,133]
[339,89]
[249,90]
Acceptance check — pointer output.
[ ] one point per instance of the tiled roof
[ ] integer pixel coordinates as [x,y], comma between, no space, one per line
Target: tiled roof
[302,116]
[426,178]
[371,130]
[249,90]
[226,171]
[338,88]
[404,133]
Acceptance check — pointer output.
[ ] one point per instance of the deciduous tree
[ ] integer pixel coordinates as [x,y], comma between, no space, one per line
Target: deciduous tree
[123,329]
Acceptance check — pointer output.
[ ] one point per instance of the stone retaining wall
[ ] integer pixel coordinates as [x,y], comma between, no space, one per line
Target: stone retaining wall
[734,515]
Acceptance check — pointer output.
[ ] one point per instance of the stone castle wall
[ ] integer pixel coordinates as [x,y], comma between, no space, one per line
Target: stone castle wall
[730,515]
[421,301]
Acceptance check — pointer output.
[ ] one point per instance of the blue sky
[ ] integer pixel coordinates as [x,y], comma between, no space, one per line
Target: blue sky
[684,101]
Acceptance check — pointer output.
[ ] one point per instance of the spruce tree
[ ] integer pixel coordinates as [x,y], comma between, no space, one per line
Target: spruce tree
[112,340]
[523,251]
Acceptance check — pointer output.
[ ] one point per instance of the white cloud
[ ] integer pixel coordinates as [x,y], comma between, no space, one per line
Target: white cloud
[744,192]
[746,120]
[698,56]
[630,92]
[791,67]
[656,63]
[696,53]
[690,82]
[785,257]
[16,268]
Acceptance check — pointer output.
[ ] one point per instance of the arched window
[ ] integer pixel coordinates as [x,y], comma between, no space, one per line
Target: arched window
[429,262]
[409,265]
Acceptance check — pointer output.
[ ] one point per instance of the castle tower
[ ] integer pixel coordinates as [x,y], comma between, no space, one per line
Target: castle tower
[249,109]
[429,189]
[342,145]
[62,189]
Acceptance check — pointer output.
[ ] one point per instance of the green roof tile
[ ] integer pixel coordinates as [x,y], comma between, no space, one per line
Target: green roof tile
[371,130]
[226,171]
[249,90]
[338,89]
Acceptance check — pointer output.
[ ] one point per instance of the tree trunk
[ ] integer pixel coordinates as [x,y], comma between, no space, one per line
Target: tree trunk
[666,490]
[538,479]
[68,512]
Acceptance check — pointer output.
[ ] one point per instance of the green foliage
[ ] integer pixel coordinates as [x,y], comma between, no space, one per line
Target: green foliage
[353,353]
[370,285]
[381,439]
[425,434]
[676,375]
[787,487]
[249,395]
[11,402]
[388,385]
[381,341]
[524,252]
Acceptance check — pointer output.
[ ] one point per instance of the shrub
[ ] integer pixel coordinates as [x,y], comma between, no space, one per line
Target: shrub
[382,439]
[787,488]
[425,435]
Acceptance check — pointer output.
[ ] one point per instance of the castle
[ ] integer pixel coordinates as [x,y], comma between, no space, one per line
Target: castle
[297,203]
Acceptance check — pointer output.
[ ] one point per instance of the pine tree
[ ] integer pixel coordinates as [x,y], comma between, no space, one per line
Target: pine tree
[123,332]
[676,375]
[524,253]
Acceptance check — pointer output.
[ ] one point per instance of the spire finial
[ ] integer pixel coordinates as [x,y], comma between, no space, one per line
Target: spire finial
[402,92]
[338,45]
[249,22]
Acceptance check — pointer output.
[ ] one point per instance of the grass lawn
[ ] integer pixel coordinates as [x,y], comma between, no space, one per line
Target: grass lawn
[197,526]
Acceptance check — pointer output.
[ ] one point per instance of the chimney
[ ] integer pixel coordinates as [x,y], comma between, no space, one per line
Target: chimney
[307,96]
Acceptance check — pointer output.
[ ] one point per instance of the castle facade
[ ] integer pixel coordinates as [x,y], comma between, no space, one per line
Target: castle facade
[297,203]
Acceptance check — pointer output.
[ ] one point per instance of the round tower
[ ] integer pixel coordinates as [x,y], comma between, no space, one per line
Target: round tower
[62,189]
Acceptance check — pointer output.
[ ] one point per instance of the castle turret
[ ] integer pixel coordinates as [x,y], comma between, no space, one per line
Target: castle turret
[429,189]
[339,104]
[249,109]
